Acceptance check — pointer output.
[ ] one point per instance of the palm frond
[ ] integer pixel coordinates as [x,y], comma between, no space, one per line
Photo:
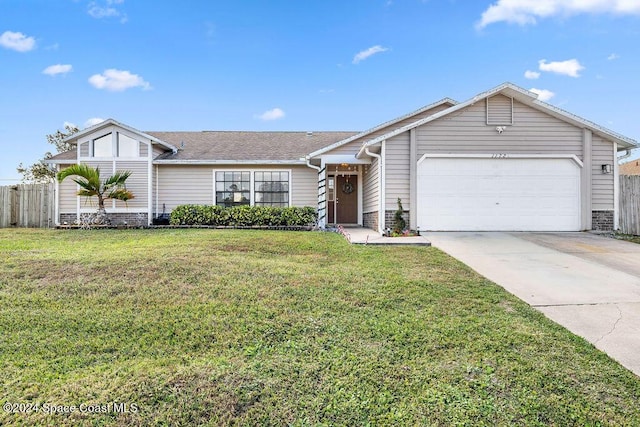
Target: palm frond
[120,194]
[91,175]
[117,179]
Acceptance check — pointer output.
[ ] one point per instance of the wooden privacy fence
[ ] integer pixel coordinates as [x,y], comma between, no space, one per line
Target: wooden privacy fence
[27,205]
[630,204]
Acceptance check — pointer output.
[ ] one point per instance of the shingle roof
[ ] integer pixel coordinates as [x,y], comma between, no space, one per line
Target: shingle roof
[245,146]
[630,168]
[66,157]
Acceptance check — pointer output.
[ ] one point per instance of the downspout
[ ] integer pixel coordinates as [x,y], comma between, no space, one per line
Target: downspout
[380,193]
[626,154]
[321,224]
[318,168]
[157,190]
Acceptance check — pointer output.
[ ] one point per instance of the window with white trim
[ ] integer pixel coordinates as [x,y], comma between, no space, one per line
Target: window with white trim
[255,188]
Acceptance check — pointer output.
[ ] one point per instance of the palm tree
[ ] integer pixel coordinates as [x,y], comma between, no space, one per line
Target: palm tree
[112,188]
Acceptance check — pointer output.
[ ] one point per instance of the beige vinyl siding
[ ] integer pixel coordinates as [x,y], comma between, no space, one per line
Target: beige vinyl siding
[84,149]
[304,186]
[371,188]
[143,149]
[466,131]
[180,184]
[354,146]
[499,110]
[602,184]
[67,197]
[397,171]
[137,183]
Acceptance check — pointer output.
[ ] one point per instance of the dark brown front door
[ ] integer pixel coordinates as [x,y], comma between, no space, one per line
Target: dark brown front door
[346,199]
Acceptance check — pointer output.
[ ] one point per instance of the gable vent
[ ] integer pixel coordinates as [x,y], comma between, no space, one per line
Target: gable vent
[499,110]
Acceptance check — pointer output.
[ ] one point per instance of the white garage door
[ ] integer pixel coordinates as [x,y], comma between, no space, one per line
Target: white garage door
[506,194]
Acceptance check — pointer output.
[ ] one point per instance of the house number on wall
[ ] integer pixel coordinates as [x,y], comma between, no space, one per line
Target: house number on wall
[499,156]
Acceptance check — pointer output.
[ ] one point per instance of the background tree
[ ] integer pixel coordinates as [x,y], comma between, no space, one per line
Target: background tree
[88,178]
[40,171]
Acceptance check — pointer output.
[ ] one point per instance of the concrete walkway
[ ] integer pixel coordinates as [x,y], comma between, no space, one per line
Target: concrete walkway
[367,236]
[587,283]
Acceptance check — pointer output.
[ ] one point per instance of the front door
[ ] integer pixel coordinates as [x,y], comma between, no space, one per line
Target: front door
[346,199]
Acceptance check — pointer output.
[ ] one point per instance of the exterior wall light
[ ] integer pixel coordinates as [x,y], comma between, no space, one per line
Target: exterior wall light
[606,168]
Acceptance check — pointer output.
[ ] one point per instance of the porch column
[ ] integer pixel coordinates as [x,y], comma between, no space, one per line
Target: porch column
[322,197]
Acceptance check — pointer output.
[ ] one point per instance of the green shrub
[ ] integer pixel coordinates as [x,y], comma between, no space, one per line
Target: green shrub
[243,216]
[398,220]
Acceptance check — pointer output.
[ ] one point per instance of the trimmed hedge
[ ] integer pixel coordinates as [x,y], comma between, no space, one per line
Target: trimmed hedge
[243,216]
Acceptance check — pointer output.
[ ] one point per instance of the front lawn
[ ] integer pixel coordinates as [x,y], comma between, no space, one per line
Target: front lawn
[188,327]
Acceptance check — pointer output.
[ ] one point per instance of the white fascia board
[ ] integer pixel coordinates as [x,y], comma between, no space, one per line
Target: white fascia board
[229,162]
[501,156]
[622,141]
[521,95]
[60,162]
[111,122]
[381,126]
[342,158]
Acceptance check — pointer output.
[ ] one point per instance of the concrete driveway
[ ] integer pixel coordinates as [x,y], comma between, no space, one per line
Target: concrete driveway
[589,284]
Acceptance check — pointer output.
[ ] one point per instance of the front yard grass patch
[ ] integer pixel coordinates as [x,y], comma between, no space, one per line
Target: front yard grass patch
[243,327]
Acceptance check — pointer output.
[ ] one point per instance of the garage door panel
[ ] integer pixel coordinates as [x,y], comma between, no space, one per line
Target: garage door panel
[498,194]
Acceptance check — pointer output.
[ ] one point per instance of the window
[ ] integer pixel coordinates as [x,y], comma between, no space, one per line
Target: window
[331,189]
[256,188]
[271,189]
[103,146]
[127,147]
[233,188]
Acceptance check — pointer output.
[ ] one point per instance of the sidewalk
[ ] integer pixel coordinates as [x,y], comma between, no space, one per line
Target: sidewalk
[367,236]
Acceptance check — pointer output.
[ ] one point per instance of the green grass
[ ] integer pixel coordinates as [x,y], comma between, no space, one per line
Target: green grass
[274,328]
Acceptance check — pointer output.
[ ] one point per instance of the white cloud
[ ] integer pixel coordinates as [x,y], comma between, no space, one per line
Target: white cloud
[273,114]
[613,57]
[524,12]
[106,10]
[53,70]
[543,94]
[570,67]
[532,75]
[361,56]
[93,121]
[17,41]
[117,80]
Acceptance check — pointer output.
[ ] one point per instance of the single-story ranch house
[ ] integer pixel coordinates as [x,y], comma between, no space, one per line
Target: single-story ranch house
[502,160]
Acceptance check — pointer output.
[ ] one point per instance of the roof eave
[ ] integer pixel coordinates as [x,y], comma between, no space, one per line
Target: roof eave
[381,126]
[227,162]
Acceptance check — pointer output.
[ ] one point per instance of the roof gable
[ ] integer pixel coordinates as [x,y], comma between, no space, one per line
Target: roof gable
[519,94]
[111,122]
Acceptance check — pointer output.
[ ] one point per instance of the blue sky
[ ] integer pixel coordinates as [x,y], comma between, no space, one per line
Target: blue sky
[301,65]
